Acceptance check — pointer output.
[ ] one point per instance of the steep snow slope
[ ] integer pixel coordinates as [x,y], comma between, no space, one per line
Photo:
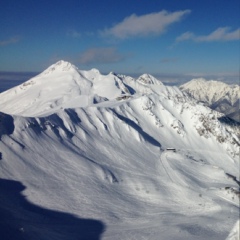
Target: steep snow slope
[217,95]
[61,85]
[101,170]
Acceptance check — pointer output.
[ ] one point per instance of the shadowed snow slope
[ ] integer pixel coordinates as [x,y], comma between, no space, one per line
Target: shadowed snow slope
[96,147]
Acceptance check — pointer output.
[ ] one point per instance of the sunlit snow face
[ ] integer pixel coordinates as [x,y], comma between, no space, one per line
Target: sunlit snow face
[125,153]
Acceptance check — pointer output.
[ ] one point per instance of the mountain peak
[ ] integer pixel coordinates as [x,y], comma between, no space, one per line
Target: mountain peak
[60,66]
[198,84]
[215,94]
[203,83]
[95,70]
[148,79]
[113,73]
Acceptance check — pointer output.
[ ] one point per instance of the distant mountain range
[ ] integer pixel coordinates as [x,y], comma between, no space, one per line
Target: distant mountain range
[90,156]
[217,95]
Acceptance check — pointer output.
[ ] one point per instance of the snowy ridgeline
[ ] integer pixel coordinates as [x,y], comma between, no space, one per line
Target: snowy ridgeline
[93,157]
[217,95]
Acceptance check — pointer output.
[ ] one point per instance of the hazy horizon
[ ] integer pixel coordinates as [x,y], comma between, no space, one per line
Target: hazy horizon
[11,79]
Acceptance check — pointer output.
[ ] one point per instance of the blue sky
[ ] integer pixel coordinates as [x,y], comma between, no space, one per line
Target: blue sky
[171,39]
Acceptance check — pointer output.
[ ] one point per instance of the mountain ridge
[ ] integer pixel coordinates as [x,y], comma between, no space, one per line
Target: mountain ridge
[144,159]
[215,94]
[62,82]
[64,86]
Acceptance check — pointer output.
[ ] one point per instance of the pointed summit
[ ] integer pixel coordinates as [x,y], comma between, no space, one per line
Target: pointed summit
[60,66]
[148,79]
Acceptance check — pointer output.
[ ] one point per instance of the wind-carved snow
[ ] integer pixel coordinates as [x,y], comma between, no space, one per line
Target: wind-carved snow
[145,159]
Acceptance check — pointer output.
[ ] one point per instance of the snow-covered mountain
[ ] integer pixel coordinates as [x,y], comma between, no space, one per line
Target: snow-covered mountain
[92,156]
[215,94]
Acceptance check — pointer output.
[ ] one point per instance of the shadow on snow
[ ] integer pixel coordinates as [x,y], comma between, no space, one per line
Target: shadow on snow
[132,124]
[22,220]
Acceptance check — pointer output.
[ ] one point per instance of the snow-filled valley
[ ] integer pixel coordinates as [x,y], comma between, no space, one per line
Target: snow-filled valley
[91,156]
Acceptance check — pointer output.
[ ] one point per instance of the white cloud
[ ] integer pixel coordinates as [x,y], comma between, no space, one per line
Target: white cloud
[185,36]
[101,55]
[153,23]
[220,34]
[9,41]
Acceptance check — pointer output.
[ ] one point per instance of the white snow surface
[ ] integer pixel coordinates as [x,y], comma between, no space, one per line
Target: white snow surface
[211,91]
[235,233]
[217,95]
[88,154]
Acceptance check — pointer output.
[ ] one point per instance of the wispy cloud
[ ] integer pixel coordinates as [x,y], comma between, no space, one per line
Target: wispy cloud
[144,25]
[101,55]
[185,36]
[10,41]
[73,33]
[220,34]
